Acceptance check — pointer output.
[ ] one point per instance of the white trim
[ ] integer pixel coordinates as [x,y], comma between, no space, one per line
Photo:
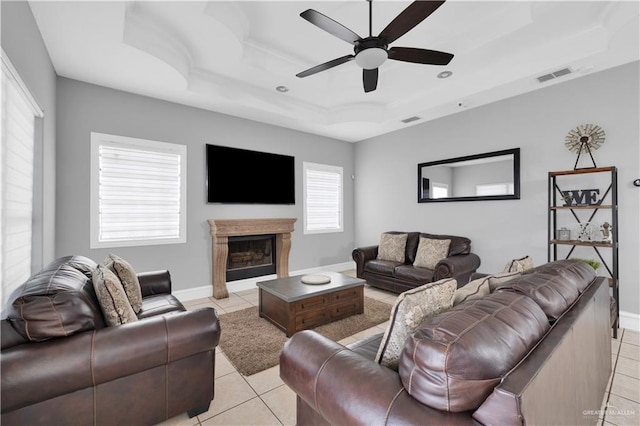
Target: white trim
[630,321]
[13,74]
[250,283]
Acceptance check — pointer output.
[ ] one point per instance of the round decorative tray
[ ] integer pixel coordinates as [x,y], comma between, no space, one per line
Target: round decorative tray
[315,279]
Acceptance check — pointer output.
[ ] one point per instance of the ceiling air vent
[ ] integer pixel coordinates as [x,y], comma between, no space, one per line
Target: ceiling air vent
[410,119]
[554,74]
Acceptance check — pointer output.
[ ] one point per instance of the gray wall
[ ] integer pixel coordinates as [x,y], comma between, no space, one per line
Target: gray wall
[23,44]
[537,122]
[84,108]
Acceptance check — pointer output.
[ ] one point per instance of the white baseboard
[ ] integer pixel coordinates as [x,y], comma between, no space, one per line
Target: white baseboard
[248,284]
[630,321]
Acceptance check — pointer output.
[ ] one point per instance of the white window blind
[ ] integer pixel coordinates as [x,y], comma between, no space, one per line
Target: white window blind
[139,192]
[322,198]
[19,111]
[439,190]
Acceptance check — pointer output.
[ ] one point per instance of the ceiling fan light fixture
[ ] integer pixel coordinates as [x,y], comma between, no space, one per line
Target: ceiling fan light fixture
[371,58]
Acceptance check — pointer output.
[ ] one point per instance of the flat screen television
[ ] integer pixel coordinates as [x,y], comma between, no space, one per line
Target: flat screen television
[241,176]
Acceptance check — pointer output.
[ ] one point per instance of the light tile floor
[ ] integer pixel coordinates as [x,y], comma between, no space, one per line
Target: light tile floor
[263,399]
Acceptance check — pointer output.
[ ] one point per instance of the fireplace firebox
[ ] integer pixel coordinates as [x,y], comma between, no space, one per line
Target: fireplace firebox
[251,256]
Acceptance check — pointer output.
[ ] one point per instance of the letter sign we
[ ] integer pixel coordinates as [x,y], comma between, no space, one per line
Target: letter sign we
[580,197]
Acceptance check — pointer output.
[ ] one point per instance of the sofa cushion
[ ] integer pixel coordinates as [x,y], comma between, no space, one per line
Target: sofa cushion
[112,298]
[128,279]
[413,274]
[430,252]
[498,280]
[382,267]
[459,245]
[554,287]
[392,247]
[454,360]
[475,289]
[409,310]
[57,301]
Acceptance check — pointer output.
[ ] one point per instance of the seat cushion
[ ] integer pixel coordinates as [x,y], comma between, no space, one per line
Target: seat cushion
[57,301]
[454,360]
[410,309]
[382,267]
[411,273]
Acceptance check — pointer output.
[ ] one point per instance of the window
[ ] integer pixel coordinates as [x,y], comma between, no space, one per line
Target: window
[19,111]
[439,190]
[322,188]
[138,192]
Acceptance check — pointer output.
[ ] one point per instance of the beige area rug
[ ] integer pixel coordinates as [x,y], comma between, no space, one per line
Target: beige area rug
[253,344]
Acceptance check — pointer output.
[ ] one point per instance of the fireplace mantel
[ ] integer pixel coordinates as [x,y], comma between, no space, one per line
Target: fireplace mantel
[222,229]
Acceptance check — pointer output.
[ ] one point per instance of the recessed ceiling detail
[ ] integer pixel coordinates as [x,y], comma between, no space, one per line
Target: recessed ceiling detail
[228,56]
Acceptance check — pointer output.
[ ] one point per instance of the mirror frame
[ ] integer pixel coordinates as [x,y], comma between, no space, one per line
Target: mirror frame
[516,177]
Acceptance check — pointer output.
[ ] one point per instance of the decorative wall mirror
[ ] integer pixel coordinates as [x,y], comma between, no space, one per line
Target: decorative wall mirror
[488,176]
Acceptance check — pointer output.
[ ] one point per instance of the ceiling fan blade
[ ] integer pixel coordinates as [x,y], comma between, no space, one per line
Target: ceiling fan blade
[415,13]
[325,66]
[420,56]
[370,79]
[329,25]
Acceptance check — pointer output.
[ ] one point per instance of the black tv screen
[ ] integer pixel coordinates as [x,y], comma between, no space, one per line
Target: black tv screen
[242,176]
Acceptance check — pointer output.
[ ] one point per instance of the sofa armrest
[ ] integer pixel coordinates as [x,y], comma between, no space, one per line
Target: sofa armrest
[155,282]
[361,255]
[35,372]
[459,267]
[346,388]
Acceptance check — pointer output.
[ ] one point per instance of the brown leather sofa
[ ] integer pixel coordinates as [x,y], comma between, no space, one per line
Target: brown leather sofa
[61,365]
[400,277]
[535,351]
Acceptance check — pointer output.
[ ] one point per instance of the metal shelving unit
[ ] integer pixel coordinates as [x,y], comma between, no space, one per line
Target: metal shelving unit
[610,262]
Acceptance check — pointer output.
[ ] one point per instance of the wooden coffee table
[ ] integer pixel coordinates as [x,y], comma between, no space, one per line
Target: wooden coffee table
[293,306]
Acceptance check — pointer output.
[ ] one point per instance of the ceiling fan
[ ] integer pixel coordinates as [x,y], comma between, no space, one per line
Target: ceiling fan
[373,51]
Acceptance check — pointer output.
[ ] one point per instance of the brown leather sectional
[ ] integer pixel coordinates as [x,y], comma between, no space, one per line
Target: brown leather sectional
[61,365]
[535,351]
[399,277]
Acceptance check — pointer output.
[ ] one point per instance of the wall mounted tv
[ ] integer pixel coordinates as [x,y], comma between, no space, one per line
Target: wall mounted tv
[241,176]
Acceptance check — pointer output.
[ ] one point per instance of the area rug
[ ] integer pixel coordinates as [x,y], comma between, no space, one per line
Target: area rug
[253,344]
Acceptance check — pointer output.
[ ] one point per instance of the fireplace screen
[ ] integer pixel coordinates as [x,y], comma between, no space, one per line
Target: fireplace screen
[250,256]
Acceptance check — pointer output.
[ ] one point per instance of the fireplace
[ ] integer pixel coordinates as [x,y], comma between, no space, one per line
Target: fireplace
[251,256]
[223,231]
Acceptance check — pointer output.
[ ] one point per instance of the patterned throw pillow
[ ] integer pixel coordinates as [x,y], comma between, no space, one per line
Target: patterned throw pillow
[430,252]
[411,308]
[519,265]
[128,278]
[112,297]
[392,247]
[475,289]
[497,280]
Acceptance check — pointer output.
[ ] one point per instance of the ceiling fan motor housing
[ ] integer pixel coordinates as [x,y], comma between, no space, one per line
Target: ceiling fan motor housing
[371,52]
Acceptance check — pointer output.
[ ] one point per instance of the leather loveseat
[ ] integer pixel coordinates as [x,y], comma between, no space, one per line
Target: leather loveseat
[61,364]
[537,350]
[398,277]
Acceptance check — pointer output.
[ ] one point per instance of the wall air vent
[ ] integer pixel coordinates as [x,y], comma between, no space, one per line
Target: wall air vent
[410,119]
[554,74]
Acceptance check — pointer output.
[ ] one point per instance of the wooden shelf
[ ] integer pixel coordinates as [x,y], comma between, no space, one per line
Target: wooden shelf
[581,171]
[581,243]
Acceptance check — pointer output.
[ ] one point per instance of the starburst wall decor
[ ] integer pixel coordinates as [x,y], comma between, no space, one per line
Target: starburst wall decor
[584,138]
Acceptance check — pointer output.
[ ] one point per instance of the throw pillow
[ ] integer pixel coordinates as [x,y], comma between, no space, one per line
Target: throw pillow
[128,278]
[519,265]
[430,252]
[497,280]
[410,309]
[392,247]
[112,297]
[475,289]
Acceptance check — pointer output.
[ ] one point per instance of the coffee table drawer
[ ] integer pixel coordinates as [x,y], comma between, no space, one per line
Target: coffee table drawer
[346,295]
[312,319]
[313,303]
